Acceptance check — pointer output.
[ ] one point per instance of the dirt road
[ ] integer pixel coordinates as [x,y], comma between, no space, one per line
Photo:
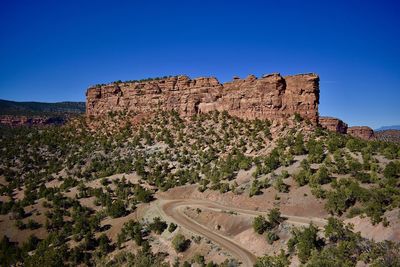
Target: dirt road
[174,209]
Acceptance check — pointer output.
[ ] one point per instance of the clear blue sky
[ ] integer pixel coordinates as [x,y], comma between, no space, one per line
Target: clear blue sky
[53,50]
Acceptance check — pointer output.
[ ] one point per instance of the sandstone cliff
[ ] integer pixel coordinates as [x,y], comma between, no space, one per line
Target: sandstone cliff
[363,132]
[333,124]
[337,125]
[271,97]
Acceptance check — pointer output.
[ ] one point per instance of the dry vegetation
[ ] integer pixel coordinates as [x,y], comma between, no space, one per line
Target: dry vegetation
[91,193]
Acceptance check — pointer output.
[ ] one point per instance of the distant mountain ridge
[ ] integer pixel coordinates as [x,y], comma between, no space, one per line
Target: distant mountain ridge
[384,128]
[14,108]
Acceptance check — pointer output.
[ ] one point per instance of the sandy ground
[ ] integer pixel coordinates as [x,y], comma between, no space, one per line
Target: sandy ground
[378,232]
[236,236]
[299,202]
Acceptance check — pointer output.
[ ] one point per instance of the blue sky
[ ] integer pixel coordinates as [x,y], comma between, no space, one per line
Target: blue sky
[53,50]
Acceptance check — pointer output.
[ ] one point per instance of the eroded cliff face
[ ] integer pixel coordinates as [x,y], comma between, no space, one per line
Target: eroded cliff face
[271,97]
[337,125]
[363,132]
[333,124]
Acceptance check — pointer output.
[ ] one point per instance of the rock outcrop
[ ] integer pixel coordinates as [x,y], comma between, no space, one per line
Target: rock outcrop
[12,120]
[333,124]
[337,125]
[363,132]
[388,135]
[271,97]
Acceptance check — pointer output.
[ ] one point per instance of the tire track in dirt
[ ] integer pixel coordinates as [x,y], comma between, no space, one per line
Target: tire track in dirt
[174,210]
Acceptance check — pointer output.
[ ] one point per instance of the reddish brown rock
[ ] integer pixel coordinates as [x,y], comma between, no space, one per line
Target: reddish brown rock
[11,120]
[333,124]
[271,97]
[363,132]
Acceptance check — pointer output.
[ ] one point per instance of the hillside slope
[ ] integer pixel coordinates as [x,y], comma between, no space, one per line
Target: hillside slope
[39,108]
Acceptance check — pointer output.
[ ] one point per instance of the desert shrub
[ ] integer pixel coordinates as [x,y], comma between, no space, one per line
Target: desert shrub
[274,217]
[305,241]
[340,163]
[271,237]
[392,170]
[303,177]
[143,195]
[260,224]
[318,191]
[280,185]
[271,162]
[299,148]
[104,244]
[255,188]
[172,227]
[158,226]
[9,252]
[116,209]
[335,230]
[315,151]
[131,230]
[322,176]
[180,243]
[281,260]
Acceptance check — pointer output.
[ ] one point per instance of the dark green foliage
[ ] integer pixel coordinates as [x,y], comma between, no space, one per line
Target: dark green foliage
[322,176]
[392,170]
[209,151]
[280,185]
[340,164]
[305,241]
[335,142]
[180,243]
[315,151]
[271,237]
[131,230]
[257,186]
[303,177]
[143,195]
[274,217]
[260,224]
[143,258]
[46,255]
[116,209]
[104,244]
[9,252]
[299,148]
[158,226]
[172,227]
[354,144]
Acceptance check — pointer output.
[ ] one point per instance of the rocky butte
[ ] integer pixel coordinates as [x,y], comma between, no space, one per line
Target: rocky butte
[271,97]
[333,124]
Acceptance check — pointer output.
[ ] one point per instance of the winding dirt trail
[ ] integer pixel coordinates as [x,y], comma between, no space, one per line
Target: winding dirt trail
[174,209]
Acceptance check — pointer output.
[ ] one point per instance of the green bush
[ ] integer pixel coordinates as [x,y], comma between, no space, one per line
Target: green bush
[172,227]
[260,224]
[180,243]
[281,260]
[158,226]
[271,237]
